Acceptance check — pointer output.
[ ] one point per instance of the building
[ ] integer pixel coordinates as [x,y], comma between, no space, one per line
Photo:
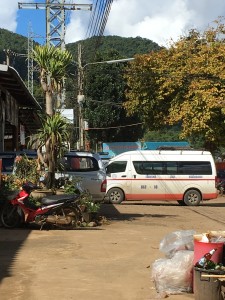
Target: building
[18,110]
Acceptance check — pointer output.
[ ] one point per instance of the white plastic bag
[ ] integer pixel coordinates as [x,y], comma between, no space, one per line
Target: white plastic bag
[176,241]
[174,275]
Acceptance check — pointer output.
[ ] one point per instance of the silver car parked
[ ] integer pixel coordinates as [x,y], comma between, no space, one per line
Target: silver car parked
[89,169]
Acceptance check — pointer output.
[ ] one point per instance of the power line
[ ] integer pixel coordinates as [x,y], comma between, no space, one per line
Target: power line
[99,17]
[105,102]
[100,128]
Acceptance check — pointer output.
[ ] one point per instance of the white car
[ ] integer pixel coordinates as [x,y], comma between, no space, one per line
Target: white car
[89,169]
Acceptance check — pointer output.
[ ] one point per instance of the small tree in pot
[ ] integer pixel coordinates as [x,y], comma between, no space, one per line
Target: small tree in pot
[53,63]
[54,136]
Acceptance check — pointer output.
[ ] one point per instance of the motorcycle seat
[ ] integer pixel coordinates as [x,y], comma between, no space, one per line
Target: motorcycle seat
[52,199]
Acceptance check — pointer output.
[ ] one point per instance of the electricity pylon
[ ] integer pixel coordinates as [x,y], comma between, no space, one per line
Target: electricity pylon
[55,18]
[55,29]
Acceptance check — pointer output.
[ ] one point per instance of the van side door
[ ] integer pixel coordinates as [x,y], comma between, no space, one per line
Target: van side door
[148,180]
[118,175]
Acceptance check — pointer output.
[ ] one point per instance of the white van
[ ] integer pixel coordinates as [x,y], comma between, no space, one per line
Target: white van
[89,169]
[187,176]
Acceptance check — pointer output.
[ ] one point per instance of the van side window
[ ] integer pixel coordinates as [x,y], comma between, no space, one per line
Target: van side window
[116,167]
[194,168]
[173,167]
[149,167]
[80,164]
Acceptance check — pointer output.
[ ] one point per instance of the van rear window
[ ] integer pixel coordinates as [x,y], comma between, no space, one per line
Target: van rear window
[173,167]
[80,164]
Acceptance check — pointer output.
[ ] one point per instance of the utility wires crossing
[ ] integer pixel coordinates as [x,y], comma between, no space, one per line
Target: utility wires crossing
[99,17]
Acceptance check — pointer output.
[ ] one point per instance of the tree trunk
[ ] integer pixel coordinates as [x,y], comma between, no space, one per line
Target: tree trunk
[49,103]
[50,180]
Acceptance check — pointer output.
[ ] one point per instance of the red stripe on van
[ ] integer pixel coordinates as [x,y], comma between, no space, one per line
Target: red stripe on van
[171,197]
[145,196]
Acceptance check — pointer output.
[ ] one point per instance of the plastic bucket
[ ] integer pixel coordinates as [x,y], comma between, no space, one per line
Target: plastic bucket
[208,288]
[201,248]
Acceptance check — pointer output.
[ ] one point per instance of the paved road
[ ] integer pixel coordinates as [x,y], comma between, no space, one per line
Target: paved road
[112,262]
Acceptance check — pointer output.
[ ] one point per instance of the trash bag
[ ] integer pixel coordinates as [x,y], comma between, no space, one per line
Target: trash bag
[176,241]
[174,275]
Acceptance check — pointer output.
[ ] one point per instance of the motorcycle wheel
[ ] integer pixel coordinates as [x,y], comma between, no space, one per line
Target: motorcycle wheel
[221,190]
[10,217]
[71,214]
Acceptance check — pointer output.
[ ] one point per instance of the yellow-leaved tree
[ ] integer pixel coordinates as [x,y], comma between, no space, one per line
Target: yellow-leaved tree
[182,84]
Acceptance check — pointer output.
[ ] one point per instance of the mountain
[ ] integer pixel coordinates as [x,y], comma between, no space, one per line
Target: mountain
[94,49]
[125,47]
[17,46]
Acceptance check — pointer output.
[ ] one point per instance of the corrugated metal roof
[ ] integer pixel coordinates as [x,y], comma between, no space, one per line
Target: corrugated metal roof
[13,83]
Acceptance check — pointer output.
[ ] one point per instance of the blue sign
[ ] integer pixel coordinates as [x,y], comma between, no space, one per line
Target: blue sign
[116,148]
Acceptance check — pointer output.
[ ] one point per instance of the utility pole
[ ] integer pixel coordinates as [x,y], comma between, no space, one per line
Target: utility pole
[9,53]
[80,98]
[30,62]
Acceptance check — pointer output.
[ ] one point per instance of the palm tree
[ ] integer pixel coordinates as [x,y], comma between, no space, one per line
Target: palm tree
[52,62]
[54,135]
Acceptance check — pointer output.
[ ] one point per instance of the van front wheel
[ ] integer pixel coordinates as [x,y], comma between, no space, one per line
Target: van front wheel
[115,195]
[192,198]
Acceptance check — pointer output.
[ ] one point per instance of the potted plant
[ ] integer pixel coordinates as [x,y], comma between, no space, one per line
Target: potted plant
[88,208]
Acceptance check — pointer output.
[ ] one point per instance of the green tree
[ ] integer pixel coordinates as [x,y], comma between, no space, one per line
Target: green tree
[54,135]
[183,84]
[105,90]
[53,63]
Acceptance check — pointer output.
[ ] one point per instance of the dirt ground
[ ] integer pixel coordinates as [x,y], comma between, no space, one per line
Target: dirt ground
[111,262]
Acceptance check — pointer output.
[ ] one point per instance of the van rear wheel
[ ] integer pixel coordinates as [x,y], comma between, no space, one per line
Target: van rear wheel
[115,195]
[192,198]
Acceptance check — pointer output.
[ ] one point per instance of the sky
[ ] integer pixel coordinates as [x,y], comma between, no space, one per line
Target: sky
[158,20]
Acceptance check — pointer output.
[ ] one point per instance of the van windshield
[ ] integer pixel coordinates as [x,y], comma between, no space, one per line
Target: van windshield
[116,167]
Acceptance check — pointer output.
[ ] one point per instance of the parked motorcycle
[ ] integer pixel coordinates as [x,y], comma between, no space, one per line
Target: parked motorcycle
[221,187]
[61,211]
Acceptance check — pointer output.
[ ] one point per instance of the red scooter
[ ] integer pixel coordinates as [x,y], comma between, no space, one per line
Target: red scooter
[61,211]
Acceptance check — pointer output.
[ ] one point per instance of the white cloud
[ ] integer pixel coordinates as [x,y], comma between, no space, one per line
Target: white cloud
[8,13]
[159,20]
[77,28]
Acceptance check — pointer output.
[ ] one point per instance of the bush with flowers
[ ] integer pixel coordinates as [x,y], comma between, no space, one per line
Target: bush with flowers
[9,187]
[25,170]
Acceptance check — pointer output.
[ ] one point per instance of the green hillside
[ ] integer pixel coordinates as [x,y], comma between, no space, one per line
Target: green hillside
[17,45]
[125,47]
[92,47]
[104,85]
